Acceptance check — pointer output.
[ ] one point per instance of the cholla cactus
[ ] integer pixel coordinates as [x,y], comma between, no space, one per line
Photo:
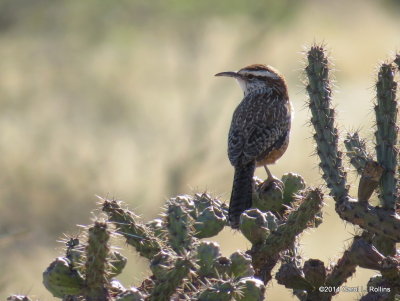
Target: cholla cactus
[184,266]
[381,224]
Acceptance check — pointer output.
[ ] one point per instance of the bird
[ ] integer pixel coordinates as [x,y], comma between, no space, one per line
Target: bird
[259,131]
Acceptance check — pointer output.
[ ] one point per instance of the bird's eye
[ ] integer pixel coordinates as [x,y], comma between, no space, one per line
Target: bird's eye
[250,76]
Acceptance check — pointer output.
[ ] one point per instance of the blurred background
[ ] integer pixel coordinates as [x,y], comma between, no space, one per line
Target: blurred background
[118,99]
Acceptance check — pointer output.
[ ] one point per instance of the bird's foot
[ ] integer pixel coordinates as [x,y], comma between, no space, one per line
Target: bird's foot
[268,182]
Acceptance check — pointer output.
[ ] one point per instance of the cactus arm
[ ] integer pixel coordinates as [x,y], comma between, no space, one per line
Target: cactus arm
[386,142]
[356,151]
[180,227]
[386,145]
[265,255]
[314,275]
[96,266]
[370,170]
[136,234]
[360,253]
[373,219]
[386,134]
[323,116]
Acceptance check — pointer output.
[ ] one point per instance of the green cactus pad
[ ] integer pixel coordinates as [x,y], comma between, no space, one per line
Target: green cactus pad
[209,223]
[61,280]
[241,265]
[179,224]
[268,196]
[223,265]
[252,289]
[293,183]
[207,254]
[254,226]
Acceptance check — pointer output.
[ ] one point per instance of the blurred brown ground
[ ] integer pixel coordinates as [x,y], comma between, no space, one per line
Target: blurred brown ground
[118,99]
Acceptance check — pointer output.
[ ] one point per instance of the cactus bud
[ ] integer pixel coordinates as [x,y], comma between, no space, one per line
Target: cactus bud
[61,280]
[375,281]
[185,201]
[254,226]
[272,221]
[209,223]
[202,201]
[293,183]
[268,196]
[315,272]
[252,289]
[223,265]
[207,254]
[241,265]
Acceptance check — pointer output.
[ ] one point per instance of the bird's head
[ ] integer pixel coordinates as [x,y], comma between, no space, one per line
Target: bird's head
[255,77]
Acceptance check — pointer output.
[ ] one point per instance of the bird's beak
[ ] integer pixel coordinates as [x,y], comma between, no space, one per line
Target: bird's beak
[228,74]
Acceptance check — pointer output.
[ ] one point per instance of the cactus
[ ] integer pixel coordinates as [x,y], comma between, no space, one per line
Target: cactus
[185,267]
[381,224]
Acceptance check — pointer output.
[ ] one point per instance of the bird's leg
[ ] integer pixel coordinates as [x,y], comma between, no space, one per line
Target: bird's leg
[270,178]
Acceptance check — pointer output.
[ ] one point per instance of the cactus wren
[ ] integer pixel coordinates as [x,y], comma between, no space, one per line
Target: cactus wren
[259,132]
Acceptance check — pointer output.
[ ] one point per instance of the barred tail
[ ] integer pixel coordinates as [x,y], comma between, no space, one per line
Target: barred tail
[242,190]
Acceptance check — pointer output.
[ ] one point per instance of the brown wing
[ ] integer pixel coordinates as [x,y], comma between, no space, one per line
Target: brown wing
[258,123]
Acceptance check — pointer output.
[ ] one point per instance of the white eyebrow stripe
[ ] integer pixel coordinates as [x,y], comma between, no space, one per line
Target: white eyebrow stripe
[261,73]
